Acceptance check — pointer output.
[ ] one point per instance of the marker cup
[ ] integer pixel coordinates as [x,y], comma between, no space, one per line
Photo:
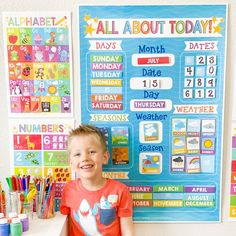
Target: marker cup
[46,205]
[14,202]
[27,208]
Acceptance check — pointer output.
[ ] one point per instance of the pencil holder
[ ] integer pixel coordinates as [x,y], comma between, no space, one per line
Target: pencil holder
[46,205]
[14,202]
[27,208]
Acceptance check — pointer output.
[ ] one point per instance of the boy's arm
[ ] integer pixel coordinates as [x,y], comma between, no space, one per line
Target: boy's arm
[127,226]
[64,209]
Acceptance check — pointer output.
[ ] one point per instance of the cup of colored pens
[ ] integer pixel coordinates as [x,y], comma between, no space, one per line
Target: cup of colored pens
[20,195]
[46,199]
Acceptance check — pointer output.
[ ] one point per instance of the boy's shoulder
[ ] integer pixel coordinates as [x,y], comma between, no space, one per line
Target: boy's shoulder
[70,183]
[117,183]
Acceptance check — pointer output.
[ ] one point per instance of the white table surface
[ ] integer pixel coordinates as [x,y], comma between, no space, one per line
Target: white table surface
[56,226]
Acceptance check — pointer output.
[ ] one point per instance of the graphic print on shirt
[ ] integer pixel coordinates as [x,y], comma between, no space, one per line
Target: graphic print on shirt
[86,216]
[107,214]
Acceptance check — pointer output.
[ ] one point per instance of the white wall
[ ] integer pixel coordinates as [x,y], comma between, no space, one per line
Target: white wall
[217,229]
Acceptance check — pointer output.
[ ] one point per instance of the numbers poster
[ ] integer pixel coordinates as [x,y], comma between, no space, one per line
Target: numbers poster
[38,63]
[39,149]
[152,79]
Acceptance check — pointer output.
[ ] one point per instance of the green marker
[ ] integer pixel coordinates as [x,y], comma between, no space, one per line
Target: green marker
[9,182]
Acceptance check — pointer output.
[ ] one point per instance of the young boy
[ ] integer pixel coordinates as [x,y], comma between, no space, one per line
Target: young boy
[96,206]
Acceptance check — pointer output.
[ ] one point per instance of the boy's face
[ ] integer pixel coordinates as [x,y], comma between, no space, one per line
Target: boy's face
[87,156]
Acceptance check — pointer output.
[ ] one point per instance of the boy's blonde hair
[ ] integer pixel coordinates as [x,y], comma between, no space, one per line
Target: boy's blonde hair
[85,129]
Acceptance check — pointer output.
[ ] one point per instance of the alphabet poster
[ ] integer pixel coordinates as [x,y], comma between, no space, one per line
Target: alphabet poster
[39,149]
[38,63]
[152,79]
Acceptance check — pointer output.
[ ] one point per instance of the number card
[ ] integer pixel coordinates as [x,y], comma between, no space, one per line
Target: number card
[201,75]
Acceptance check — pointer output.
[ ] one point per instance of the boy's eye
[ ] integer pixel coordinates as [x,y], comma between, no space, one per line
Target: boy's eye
[77,155]
[92,152]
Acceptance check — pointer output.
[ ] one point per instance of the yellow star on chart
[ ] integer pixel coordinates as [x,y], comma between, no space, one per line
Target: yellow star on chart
[217,29]
[95,19]
[89,29]
[87,18]
[214,20]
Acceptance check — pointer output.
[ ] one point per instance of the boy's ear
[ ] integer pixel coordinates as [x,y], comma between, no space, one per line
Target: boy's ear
[106,157]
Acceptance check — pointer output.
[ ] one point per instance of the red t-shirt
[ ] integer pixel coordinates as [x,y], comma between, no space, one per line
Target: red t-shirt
[96,212]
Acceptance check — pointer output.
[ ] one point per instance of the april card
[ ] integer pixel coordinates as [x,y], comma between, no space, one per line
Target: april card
[38,59]
[150,163]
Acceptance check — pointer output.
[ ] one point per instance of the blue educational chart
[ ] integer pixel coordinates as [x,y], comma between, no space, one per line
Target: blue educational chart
[152,79]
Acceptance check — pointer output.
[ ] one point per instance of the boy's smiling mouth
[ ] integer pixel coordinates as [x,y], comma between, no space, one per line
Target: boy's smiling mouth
[88,166]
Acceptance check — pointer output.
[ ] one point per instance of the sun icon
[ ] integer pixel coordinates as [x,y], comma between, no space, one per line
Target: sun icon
[208,143]
[155,159]
[176,140]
